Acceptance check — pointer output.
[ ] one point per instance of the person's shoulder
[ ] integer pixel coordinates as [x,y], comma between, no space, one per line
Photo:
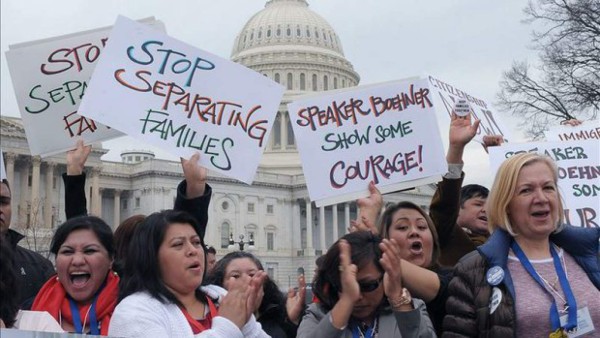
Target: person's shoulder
[31,255]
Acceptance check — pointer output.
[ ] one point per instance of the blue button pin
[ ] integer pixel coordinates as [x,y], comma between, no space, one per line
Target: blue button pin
[495,275]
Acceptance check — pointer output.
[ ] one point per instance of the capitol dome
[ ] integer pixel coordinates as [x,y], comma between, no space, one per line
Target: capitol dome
[297,48]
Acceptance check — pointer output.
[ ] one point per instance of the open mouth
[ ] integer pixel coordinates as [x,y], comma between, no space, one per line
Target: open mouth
[482,218]
[416,248]
[79,279]
[540,214]
[195,266]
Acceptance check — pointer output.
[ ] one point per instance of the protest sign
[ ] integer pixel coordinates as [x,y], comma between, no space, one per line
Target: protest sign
[445,95]
[2,167]
[588,130]
[578,175]
[50,77]
[386,133]
[182,99]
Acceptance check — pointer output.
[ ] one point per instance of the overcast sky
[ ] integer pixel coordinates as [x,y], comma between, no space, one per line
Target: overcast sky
[468,43]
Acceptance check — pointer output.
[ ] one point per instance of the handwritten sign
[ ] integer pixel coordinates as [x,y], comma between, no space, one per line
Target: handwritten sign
[445,95]
[50,77]
[2,167]
[385,133]
[578,175]
[182,99]
[588,130]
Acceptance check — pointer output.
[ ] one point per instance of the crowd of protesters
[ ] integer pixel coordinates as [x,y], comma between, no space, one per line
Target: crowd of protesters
[497,263]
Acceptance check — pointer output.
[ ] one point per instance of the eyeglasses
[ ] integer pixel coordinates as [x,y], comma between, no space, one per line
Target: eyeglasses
[370,286]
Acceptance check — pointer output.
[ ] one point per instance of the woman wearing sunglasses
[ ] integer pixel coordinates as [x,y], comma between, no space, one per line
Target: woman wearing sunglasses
[359,287]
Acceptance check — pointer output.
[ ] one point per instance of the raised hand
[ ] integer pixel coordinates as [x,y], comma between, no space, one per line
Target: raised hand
[492,141]
[294,305]
[369,209]
[390,261]
[461,132]
[195,176]
[364,225]
[255,293]
[77,157]
[350,288]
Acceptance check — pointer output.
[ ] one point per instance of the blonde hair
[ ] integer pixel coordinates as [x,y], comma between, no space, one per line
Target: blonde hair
[504,187]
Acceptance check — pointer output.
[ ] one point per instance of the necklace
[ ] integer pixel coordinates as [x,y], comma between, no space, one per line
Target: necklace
[552,288]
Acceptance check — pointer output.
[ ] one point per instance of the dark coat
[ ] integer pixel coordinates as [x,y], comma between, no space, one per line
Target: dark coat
[468,312]
[31,268]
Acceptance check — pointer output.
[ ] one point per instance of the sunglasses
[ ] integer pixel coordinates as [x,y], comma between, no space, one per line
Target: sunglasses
[370,286]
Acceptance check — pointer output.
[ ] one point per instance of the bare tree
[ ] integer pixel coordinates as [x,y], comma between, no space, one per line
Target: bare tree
[566,84]
[37,237]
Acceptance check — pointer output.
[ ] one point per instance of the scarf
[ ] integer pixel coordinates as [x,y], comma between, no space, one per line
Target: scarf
[204,324]
[54,299]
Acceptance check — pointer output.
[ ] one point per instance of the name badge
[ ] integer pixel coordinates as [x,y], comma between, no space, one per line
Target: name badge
[584,323]
[495,299]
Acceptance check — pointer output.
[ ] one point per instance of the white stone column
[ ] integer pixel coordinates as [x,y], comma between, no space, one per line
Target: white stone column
[296,228]
[99,206]
[24,192]
[117,208]
[95,195]
[10,167]
[309,225]
[36,203]
[346,217]
[48,198]
[334,211]
[322,228]
[283,129]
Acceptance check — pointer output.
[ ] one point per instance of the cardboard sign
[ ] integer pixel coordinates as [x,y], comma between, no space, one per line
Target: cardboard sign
[588,130]
[386,133]
[182,99]
[49,78]
[578,175]
[446,96]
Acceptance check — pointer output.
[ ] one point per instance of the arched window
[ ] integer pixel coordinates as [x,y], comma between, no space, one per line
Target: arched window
[225,231]
[335,83]
[307,32]
[314,82]
[316,33]
[269,33]
[278,31]
[302,81]
[277,79]
[325,84]
[298,31]
[260,34]
[290,81]
[289,31]
[343,83]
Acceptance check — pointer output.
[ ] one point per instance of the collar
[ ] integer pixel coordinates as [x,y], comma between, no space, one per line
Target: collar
[495,252]
[13,237]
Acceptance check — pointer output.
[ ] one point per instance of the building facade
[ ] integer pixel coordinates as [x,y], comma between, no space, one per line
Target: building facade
[285,41]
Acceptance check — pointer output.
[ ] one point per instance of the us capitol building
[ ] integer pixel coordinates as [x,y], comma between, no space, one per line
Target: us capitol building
[285,41]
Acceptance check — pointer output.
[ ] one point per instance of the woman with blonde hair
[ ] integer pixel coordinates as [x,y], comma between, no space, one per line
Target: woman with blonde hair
[535,276]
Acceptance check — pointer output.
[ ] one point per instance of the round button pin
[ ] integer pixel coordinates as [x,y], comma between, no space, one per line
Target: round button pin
[495,275]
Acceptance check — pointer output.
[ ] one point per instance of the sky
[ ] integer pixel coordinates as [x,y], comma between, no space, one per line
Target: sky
[468,43]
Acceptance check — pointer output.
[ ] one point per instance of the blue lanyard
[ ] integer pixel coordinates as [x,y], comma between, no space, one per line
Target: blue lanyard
[564,283]
[77,318]
[356,333]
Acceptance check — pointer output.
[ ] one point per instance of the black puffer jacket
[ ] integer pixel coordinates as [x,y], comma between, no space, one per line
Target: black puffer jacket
[33,270]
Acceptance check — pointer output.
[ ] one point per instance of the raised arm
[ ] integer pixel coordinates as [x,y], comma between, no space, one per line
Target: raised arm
[369,209]
[193,193]
[74,180]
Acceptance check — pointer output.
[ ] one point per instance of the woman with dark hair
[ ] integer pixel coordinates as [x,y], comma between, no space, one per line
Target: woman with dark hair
[160,293]
[83,294]
[278,316]
[360,292]
[122,238]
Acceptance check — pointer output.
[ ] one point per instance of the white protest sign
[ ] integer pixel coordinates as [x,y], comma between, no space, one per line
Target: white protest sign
[182,99]
[578,173]
[386,133]
[445,95]
[2,167]
[49,78]
[588,130]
